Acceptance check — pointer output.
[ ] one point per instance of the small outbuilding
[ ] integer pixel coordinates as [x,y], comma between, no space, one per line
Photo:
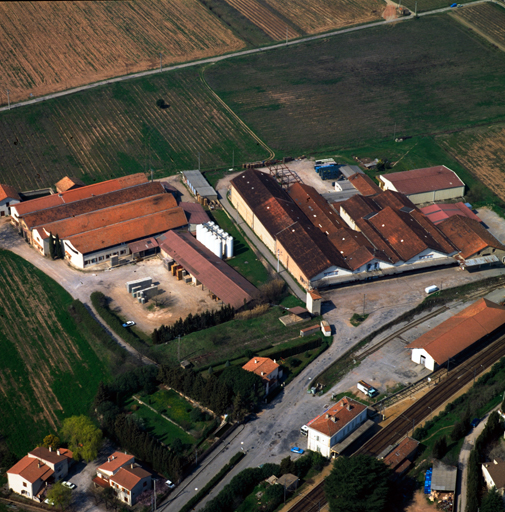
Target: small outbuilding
[8,197]
[199,186]
[288,481]
[443,482]
[427,185]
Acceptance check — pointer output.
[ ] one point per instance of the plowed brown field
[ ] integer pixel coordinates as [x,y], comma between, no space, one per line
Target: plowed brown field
[263,18]
[51,46]
[482,151]
[322,15]
[486,19]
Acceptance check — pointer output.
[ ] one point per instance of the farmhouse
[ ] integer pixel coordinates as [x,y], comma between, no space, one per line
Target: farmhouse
[427,185]
[8,198]
[108,469]
[334,425]
[268,370]
[42,466]
[474,324]
[207,269]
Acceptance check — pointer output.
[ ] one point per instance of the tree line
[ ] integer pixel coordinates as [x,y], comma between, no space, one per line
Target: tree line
[192,323]
[235,391]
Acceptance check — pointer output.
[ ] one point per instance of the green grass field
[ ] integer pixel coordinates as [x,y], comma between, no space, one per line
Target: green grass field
[230,340]
[49,368]
[244,260]
[424,76]
[118,129]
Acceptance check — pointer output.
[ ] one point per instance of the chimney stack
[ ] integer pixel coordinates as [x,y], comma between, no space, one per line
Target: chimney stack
[334,419]
[132,466]
[58,451]
[38,464]
[255,361]
[50,448]
[327,416]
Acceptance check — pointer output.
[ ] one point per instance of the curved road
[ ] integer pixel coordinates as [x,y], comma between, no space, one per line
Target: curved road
[227,56]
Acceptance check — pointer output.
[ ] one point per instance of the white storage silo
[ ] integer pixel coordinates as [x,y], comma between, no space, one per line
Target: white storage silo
[229,246]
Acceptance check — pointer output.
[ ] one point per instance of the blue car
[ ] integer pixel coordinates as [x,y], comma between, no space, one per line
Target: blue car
[475,422]
[130,323]
[295,449]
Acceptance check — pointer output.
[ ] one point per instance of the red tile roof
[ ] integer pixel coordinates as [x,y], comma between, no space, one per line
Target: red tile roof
[337,417]
[31,469]
[108,216]
[68,183]
[143,245]
[428,179]
[262,366]
[80,193]
[49,456]
[115,461]
[8,192]
[468,235]
[129,477]
[364,185]
[128,231]
[461,330]
[355,248]
[395,459]
[316,208]
[215,274]
[358,207]
[195,213]
[66,211]
[439,212]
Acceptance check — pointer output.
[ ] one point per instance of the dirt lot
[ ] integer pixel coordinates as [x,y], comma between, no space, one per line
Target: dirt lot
[420,504]
[494,223]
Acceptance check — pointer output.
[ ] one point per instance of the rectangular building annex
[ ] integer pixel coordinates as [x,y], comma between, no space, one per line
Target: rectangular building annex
[430,184]
[457,333]
[207,269]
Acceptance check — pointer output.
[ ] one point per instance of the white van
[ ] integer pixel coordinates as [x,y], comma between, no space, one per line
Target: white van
[304,430]
[431,289]
[367,389]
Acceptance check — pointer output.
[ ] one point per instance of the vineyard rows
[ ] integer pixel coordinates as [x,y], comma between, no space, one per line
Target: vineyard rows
[320,15]
[487,19]
[52,46]
[263,18]
[118,130]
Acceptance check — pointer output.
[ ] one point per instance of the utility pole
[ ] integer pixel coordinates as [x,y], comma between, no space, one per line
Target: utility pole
[198,160]
[415,12]
[161,69]
[394,134]
[364,303]
[179,349]
[154,495]
[8,99]
[286,43]
[233,159]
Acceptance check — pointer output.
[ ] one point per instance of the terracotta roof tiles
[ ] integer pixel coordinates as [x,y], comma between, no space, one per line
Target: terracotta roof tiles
[68,183]
[436,213]
[31,469]
[115,461]
[364,184]
[337,417]
[8,192]
[128,477]
[261,366]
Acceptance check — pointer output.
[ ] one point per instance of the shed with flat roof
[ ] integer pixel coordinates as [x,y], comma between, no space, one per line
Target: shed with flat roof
[200,187]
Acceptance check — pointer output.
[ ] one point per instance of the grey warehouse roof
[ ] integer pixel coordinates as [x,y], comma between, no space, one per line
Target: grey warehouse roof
[443,477]
[200,184]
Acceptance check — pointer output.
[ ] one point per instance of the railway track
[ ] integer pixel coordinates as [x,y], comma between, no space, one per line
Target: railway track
[311,502]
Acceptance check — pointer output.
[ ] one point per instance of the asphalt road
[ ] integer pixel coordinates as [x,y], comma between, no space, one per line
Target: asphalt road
[213,60]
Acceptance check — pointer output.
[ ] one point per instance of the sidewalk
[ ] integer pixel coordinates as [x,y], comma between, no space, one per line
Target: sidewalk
[293,285]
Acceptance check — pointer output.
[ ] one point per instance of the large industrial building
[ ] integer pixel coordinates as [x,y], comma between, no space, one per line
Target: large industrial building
[98,223]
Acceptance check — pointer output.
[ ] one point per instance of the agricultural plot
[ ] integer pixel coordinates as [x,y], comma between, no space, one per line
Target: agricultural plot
[320,15]
[51,46]
[264,19]
[355,88]
[430,5]
[487,19]
[119,129]
[49,370]
[482,151]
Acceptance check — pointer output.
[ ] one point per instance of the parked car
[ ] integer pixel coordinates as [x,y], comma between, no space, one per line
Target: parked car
[49,502]
[70,485]
[170,484]
[475,422]
[130,323]
[295,449]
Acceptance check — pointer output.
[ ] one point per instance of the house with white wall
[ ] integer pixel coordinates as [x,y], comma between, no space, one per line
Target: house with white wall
[129,482]
[334,425]
[8,198]
[269,371]
[494,475]
[31,475]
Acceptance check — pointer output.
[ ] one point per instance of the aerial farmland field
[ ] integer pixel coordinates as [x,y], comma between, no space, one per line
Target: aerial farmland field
[51,46]
[118,129]
[320,15]
[49,370]
[487,19]
[425,76]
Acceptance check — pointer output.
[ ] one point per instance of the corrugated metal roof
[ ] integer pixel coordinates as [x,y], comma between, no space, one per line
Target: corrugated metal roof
[201,185]
[443,477]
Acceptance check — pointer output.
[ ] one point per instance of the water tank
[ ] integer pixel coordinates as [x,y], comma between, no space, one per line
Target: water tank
[229,246]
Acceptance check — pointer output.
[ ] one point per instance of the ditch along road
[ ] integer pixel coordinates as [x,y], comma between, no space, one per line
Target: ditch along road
[213,60]
[406,422]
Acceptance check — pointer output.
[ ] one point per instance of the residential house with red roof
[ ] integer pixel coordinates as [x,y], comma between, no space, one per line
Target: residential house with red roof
[268,370]
[334,425]
[8,198]
[459,332]
[31,475]
[427,185]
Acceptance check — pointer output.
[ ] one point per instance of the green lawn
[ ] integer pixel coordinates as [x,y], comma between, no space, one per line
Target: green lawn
[421,77]
[244,260]
[50,369]
[231,340]
[164,430]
